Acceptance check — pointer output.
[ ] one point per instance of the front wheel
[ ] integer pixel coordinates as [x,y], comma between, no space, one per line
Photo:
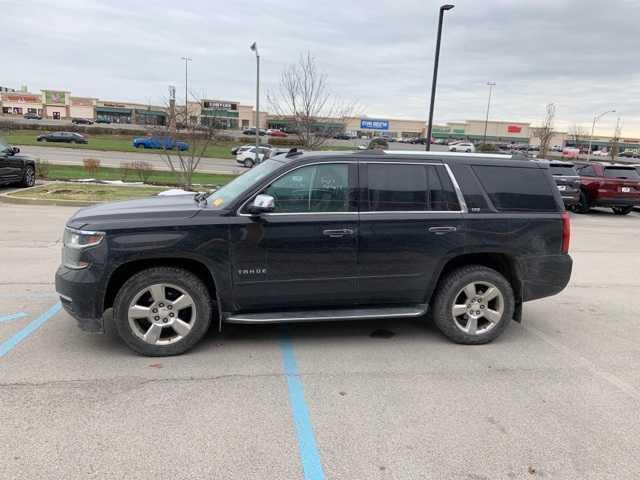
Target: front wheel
[622,210]
[249,163]
[28,177]
[162,311]
[473,305]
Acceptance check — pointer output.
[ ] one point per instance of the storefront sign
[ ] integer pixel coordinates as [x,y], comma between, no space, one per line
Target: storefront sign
[220,105]
[514,129]
[19,98]
[114,105]
[52,97]
[81,102]
[374,124]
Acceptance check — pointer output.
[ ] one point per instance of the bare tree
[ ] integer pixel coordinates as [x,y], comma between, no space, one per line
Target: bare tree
[198,134]
[614,143]
[303,99]
[545,132]
[578,135]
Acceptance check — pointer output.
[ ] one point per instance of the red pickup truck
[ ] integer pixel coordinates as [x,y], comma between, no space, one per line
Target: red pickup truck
[608,185]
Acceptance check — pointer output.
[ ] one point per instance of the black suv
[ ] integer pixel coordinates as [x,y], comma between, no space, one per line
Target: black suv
[15,168]
[567,180]
[314,237]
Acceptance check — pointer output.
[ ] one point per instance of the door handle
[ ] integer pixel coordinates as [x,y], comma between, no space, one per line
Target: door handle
[442,230]
[338,233]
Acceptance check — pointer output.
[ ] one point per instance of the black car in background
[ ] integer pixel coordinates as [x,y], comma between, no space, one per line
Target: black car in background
[252,131]
[103,120]
[567,180]
[62,137]
[15,168]
[31,116]
[81,121]
[308,237]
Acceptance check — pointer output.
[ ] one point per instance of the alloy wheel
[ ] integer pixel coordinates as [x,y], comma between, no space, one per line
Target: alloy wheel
[478,308]
[162,314]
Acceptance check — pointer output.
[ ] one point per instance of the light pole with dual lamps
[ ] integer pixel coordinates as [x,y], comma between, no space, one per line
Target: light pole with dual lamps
[593,126]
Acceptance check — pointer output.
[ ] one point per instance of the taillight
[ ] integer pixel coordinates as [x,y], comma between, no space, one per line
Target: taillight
[566,232]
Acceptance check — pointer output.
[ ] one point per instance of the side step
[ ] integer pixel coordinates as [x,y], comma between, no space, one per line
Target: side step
[408,311]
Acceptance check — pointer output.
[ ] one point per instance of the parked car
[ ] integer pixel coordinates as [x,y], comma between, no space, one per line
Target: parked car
[252,131]
[608,185]
[16,168]
[285,242]
[628,154]
[103,120]
[81,121]
[236,150]
[62,137]
[343,136]
[462,147]
[567,180]
[247,158]
[274,132]
[164,143]
[600,153]
[31,116]
[570,152]
[556,148]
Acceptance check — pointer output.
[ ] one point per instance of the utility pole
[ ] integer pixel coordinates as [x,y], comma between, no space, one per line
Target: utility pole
[443,8]
[486,119]
[593,126]
[186,89]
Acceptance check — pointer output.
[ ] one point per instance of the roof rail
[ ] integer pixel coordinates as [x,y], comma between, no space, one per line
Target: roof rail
[293,152]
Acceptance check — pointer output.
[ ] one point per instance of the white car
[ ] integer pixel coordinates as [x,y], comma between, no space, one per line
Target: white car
[247,158]
[600,153]
[462,147]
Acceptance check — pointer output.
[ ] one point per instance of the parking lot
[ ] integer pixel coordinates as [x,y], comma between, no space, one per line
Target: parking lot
[557,396]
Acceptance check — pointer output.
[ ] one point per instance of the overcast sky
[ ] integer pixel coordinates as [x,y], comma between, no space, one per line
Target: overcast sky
[583,55]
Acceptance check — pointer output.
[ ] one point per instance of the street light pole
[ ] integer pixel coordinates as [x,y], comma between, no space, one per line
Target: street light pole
[593,126]
[254,48]
[486,119]
[443,8]
[186,90]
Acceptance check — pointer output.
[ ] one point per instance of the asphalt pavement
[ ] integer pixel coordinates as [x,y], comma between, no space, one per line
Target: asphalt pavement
[556,397]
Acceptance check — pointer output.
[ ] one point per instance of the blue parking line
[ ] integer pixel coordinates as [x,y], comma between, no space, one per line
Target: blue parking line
[13,316]
[307,447]
[8,345]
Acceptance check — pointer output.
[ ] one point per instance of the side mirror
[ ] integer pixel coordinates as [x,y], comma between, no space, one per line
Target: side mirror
[15,150]
[262,204]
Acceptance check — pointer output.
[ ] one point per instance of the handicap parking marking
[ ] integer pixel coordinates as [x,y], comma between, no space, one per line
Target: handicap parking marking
[9,344]
[309,456]
[13,316]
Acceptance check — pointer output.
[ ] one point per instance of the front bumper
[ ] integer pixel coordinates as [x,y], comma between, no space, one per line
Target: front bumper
[81,294]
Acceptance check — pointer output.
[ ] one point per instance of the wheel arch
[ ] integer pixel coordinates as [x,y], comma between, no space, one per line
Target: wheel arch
[125,271]
[503,263]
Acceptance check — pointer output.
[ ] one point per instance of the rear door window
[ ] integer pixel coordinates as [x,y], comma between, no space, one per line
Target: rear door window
[410,188]
[516,188]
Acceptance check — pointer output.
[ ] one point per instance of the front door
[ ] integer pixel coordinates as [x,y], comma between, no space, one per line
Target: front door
[410,220]
[304,254]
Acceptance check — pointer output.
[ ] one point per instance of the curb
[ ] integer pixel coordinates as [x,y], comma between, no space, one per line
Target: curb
[6,198]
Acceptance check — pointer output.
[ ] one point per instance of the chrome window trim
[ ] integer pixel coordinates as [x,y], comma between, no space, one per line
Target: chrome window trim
[454,182]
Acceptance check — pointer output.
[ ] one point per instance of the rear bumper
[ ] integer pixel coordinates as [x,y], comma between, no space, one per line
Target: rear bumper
[601,201]
[81,295]
[545,276]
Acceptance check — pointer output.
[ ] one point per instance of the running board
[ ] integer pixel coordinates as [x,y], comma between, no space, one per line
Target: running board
[408,311]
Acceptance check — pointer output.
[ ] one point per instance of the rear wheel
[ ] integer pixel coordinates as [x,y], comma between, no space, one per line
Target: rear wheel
[162,311]
[473,305]
[248,162]
[583,205]
[622,210]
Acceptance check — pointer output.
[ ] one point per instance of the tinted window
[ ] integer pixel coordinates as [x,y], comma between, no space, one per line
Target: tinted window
[621,172]
[567,170]
[419,188]
[316,188]
[517,189]
[586,171]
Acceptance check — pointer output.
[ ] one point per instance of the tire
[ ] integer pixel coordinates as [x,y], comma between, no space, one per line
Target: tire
[468,150]
[583,205]
[193,318]
[621,210]
[72,141]
[139,145]
[451,291]
[453,150]
[28,177]
[249,162]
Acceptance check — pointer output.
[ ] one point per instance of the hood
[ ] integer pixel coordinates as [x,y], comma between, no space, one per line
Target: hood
[142,211]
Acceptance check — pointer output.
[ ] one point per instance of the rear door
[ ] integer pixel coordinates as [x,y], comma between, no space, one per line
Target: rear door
[411,218]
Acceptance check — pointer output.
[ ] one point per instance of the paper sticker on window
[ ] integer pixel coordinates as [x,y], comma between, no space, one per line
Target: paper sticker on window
[217,202]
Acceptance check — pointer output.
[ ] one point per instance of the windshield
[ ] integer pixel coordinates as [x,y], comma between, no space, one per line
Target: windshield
[621,172]
[566,170]
[227,194]
[3,145]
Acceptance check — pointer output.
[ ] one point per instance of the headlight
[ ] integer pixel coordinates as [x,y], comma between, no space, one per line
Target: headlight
[81,238]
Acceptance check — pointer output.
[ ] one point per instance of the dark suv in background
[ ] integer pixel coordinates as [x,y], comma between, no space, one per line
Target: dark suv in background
[316,237]
[567,180]
[16,168]
[608,185]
